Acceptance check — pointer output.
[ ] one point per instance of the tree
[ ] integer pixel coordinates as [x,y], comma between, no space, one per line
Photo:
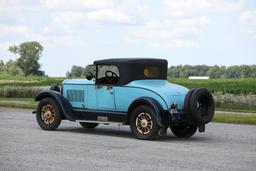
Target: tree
[12,69]
[14,49]
[29,55]
[1,65]
[76,71]
[233,72]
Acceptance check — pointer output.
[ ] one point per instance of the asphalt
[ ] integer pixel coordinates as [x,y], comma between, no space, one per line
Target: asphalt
[24,146]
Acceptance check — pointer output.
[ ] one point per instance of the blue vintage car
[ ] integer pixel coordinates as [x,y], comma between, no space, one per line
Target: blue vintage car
[130,91]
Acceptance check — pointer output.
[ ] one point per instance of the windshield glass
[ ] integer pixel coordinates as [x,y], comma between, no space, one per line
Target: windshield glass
[107,74]
[102,69]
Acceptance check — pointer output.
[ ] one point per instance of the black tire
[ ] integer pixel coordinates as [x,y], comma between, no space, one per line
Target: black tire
[202,106]
[88,125]
[187,100]
[48,114]
[144,130]
[199,104]
[183,131]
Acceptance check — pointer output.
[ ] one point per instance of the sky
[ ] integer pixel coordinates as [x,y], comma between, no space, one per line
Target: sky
[77,32]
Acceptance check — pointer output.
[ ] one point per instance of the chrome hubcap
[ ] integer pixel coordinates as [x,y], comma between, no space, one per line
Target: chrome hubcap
[144,123]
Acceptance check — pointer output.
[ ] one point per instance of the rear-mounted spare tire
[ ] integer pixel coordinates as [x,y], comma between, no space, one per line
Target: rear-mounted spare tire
[199,104]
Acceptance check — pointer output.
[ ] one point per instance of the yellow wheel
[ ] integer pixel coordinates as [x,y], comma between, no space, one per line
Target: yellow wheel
[48,114]
[143,123]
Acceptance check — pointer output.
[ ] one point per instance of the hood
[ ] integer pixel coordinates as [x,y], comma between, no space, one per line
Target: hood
[171,93]
[78,81]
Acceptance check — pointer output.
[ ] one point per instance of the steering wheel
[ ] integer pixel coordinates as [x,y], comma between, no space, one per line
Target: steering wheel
[110,75]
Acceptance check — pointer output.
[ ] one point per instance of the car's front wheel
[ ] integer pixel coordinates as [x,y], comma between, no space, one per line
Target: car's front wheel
[48,114]
[143,123]
[183,131]
[88,125]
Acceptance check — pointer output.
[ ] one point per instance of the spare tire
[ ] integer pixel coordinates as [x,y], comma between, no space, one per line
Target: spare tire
[199,104]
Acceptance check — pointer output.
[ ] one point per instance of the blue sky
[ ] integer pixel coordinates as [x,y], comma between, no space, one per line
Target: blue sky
[75,32]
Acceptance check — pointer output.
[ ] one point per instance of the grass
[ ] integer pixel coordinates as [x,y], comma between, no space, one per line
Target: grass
[17,103]
[235,118]
[17,99]
[237,110]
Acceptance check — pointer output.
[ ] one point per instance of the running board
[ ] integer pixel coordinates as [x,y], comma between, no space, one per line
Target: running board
[100,122]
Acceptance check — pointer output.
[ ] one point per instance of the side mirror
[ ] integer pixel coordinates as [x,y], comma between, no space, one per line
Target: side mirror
[89,76]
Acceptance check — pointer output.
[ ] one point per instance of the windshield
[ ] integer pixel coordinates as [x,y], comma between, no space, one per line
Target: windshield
[108,74]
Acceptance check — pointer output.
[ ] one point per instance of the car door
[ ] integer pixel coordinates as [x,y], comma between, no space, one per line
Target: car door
[105,97]
[107,77]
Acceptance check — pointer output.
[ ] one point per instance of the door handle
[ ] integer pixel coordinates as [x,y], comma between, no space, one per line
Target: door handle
[109,87]
[99,86]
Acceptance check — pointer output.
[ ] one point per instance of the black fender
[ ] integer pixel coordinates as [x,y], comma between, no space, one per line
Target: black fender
[152,103]
[62,102]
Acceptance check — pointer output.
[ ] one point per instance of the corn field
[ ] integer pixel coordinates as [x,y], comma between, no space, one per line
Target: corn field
[28,87]
[224,86]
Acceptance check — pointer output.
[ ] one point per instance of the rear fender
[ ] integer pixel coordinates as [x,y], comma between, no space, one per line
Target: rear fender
[155,106]
[62,102]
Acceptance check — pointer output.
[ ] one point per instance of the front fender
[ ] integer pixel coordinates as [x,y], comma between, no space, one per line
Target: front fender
[152,103]
[63,103]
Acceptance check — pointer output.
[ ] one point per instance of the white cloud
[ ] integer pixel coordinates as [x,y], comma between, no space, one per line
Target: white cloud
[64,22]
[188,7]
[66,18]
[180,43]
[77,4]
[248,22]
[165,33]
[14,29]
[110,16]
[180,27]
[193,22]
[6,5]
[18,34]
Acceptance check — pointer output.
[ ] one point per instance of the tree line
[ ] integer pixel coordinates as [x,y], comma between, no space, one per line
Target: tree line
[26,62]
[236,71]
[184,71]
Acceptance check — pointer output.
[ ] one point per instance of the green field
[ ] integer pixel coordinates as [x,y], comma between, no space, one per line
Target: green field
[235,118]
[230,86]
[229,94]
[29,81]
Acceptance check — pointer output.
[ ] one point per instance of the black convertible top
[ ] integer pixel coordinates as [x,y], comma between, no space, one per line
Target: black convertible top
[133,68]
[114,61]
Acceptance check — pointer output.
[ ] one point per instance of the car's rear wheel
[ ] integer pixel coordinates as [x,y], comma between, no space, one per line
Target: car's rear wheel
[48,114]
[88,125]
[143,123]
[183,131]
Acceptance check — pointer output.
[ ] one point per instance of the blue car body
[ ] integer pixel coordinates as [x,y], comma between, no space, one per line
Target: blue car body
[119,98]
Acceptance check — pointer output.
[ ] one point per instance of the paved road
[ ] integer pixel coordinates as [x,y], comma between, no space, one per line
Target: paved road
[24,146]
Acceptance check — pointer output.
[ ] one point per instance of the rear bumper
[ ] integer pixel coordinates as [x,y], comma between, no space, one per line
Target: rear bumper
[181,118]
[177,118]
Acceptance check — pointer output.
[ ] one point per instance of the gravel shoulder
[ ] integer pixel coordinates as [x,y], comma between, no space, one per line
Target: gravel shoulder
[24,146]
